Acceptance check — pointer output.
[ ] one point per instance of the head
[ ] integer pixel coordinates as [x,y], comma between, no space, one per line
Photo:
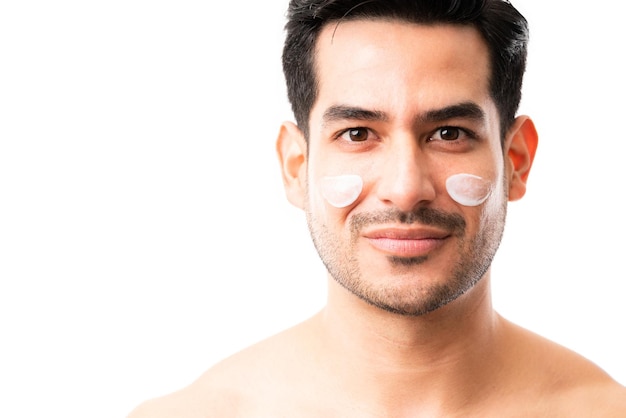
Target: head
[503,28]
[399,113]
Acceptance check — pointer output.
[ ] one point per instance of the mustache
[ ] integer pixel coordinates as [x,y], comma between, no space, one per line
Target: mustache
[452,222]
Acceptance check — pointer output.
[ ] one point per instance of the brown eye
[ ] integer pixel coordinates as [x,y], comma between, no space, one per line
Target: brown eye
[357,134]
[449,133]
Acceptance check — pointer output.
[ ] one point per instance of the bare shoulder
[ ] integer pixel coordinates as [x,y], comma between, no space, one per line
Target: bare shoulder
[235,387]
[599,396]
[605,399]
[188,403]
[221,391]
[212,395]
[566,383]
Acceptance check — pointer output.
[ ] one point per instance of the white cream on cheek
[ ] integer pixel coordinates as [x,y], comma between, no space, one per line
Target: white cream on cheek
[468,189]
[341,191]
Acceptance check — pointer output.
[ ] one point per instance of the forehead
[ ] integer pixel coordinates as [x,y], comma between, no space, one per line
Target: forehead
[400,67]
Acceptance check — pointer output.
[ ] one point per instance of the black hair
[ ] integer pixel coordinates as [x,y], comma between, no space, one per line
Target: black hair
[502,27]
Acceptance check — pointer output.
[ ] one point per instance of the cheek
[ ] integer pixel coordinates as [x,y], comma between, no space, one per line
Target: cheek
[342,190]
[478,182]
[338,183]
[468,189]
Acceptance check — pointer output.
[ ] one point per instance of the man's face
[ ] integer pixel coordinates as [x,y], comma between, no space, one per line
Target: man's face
[404,107]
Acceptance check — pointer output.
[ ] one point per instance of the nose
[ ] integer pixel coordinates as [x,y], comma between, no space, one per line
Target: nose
[404,178]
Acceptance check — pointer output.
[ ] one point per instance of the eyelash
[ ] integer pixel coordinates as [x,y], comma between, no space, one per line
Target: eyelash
[461,132]
[357,128]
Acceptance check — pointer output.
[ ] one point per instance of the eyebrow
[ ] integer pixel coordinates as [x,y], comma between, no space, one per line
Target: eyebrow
[465,110]
[341,112]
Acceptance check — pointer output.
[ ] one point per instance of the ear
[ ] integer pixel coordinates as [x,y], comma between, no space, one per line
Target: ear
[520,152]
[291,149]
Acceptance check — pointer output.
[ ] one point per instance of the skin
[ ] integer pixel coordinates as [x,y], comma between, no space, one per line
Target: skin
[404,163]
[440,356]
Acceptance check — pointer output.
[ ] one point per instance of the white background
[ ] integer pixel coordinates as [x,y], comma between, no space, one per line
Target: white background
[144,233]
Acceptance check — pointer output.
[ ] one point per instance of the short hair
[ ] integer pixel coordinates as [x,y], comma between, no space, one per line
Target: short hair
[503,28]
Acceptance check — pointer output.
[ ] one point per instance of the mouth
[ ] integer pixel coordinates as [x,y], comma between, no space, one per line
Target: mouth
[406,242]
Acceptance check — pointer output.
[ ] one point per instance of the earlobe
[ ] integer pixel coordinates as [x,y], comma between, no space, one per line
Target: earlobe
[291,150]
[521,147]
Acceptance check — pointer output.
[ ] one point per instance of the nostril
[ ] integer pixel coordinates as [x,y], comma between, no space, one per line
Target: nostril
[406,185]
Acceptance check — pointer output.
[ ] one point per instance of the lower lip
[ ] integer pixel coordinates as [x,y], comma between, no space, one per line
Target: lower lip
[406,247]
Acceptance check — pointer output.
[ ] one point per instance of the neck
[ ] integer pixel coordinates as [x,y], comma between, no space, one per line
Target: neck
[391,356]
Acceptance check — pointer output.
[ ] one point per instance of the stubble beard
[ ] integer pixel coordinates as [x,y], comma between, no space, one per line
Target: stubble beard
[475,257]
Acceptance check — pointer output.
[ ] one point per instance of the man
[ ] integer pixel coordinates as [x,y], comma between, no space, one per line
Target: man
[406,151]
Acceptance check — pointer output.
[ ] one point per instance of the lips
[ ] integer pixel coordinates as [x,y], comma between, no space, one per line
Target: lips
[402,242]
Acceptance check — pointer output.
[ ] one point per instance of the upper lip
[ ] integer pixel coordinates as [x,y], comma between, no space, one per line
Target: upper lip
[404,233]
